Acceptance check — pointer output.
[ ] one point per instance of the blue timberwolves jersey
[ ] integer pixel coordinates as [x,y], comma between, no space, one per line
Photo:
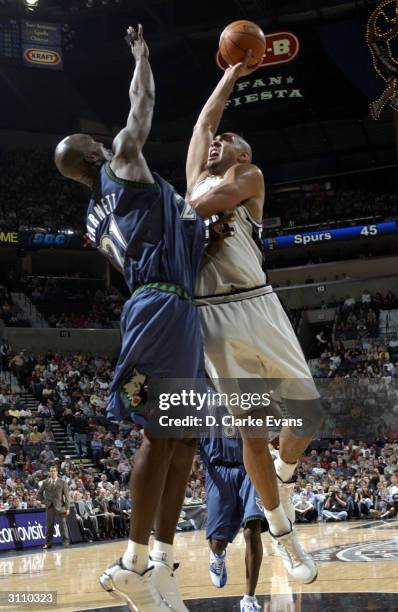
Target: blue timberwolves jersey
[148,231]
[222,444]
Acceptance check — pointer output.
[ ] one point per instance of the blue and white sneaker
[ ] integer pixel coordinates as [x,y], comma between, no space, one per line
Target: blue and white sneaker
[249,605]
[218,569]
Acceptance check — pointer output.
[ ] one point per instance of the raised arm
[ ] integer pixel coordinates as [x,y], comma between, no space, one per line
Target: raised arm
[128,161]
[209,120]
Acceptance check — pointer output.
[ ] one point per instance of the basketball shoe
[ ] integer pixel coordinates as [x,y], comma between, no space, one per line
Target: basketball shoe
[136,589]
[218,569]
[165,583]
[298,563]
[249,605]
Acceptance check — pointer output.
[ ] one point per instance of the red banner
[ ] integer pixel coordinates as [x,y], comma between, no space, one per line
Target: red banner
[281,48]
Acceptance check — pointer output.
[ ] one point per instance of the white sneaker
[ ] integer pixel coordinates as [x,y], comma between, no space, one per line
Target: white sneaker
[285,496]
[218,569]
[249,605]
[165,582]
[136,589]
[297,562]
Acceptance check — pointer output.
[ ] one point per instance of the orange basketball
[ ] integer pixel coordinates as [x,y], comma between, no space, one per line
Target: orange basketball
[240,36]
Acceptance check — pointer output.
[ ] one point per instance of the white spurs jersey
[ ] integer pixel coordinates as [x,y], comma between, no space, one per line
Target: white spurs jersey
[239,264]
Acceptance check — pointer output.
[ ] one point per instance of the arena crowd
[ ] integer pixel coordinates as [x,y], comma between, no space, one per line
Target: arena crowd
[337,480]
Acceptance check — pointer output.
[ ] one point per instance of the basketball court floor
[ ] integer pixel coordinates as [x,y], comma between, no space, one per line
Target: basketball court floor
[358,571]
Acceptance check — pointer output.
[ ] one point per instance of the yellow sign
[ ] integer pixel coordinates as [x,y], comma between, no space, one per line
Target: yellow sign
[9,237]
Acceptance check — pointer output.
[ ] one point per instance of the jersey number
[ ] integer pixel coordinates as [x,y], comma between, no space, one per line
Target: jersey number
[113,245]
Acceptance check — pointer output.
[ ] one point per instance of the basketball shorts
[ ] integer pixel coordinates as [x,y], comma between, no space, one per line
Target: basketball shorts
[247,335]
[232,502]
[160,339]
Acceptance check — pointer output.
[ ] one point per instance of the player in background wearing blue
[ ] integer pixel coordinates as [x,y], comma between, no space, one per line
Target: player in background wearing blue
[137,220]
[232,503]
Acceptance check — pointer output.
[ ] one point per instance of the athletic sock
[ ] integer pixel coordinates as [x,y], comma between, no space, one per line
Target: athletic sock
[249,598]
[136,557]
[221,556]
[163,552]
[284,470]
[278,522]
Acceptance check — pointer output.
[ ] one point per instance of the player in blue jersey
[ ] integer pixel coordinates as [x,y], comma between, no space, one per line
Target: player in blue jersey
[232,503]
[137,220]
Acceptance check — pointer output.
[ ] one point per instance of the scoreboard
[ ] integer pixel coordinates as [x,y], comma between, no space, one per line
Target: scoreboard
[10,41]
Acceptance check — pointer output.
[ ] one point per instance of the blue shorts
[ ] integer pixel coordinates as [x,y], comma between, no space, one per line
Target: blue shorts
[232,502]
[161,339]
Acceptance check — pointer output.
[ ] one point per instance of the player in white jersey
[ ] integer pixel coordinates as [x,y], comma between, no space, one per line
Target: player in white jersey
[246,331]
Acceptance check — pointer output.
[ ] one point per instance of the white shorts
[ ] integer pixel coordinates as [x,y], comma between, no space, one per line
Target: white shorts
[248,335]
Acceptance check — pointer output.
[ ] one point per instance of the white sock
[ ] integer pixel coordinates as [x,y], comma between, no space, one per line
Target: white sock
[278,521]
[136,557]
[284,470]
[163,552]
[249,598]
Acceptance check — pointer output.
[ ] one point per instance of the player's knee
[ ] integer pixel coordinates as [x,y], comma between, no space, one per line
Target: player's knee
[218,546]
[253,445]
[189,444]
[252,532]
[159,446]
[308,414]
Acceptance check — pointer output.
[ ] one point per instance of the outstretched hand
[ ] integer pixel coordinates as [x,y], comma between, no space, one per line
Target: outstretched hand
[138,46]
[242,68]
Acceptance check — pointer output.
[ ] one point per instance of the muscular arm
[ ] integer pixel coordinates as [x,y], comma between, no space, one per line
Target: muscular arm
[209,120]
[128,161]
[240,183]
[206,128]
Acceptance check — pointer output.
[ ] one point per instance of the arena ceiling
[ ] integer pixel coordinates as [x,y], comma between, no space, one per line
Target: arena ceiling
[324,127]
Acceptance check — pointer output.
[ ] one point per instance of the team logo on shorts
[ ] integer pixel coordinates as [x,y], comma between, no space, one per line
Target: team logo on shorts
[259,504]
[230,432]
[135,389]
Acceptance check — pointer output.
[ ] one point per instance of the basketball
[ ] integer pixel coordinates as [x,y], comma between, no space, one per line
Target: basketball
[240,36]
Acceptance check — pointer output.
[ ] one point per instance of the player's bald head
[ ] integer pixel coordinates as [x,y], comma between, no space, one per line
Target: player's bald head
[243,145]
[77,155]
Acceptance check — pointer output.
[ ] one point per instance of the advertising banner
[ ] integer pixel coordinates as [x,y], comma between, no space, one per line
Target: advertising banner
[27,528]
[20,530]
[41,45]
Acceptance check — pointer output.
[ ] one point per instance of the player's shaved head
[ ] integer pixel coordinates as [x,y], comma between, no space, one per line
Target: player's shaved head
[243,144]
[78,157]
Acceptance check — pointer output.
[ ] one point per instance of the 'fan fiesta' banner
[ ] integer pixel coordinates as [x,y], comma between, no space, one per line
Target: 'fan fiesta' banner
[281,48]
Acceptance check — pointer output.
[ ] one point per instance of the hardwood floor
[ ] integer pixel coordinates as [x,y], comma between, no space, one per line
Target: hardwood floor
[352,557]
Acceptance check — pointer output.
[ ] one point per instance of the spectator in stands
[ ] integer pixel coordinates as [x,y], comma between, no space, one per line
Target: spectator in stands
[335,506]
[305,511]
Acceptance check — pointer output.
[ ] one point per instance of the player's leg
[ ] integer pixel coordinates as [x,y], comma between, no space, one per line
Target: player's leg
[253,560]
[253,523]
[260,468]
[162,556]
[223,518]
[231,355]
[147,483]
[129,577]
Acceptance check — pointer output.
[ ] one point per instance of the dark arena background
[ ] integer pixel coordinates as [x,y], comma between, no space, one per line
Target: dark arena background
[330,234]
